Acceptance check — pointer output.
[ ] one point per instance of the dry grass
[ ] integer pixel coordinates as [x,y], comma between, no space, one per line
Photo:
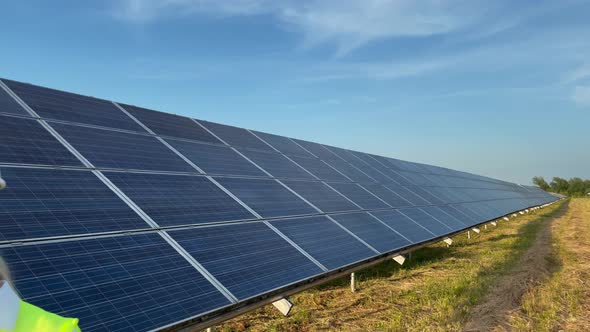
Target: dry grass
[435,290]
[563,301]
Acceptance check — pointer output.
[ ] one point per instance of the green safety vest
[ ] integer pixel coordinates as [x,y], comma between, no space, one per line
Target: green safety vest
[35,319]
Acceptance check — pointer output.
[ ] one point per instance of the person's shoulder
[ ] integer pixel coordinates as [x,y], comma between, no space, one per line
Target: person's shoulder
[33,318]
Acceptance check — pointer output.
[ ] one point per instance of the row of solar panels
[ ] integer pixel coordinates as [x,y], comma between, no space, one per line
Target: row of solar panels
[181,131]
[204,216]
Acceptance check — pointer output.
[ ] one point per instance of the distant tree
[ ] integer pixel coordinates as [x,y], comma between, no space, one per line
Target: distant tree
[559,185]
[576,187]
[541,183]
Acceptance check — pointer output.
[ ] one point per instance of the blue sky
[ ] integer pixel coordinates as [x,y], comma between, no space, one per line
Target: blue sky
[499,88]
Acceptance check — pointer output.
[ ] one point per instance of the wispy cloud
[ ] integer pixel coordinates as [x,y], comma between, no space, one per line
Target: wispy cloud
[578,74]
[581,95]
[346,24]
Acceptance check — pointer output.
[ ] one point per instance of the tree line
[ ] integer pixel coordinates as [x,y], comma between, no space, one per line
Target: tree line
[574,187]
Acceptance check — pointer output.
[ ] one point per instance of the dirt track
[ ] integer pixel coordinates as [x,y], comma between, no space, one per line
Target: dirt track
[504,298]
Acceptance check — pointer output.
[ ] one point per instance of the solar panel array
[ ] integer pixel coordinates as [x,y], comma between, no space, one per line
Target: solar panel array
[132,219]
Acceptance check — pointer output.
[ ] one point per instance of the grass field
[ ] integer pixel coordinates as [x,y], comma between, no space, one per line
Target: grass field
[527,274]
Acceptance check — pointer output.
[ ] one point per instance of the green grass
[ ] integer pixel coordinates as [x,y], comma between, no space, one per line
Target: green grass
[435,290]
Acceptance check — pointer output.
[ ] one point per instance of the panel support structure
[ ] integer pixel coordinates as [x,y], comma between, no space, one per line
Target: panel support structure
[506,218]
[477,230]
[352,282]
[494,223]
[283,305]
[448,241]
[400,259]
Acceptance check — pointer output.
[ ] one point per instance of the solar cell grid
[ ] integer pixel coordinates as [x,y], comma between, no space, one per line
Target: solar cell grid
[320,169]
[49,203]
[359,195]
[113,149]
[9,105]
[444,218]
[311,233]
[172,200]
[404,225]
[426,221]
[322,196]
[267,197]
[407,194]
[25,141]
[276,164]
[60,105]
[248,259]
[235,136]
[122,283]
[216,159]
[318,150]
[387,195]
[170,124]
[372,231]
[283,144]
[350,171]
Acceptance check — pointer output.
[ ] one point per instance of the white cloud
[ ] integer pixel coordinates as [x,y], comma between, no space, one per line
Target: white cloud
[347,24]
[581,95]
[580,73]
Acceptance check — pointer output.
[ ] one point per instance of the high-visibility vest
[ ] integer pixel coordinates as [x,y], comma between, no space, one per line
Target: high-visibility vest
[35,319]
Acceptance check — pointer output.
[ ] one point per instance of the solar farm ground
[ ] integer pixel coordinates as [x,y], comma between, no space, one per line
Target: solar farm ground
[528,274]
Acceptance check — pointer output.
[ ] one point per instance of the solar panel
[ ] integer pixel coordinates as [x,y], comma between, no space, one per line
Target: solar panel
[49,203]
[387,195]
[440,215]
[407,194]
[317,150]
[276,164]
[320,169]
[216,159]
[25,141]
[9,105]
[426,221]
[267,197]
[236,136]
[122,283]
[283,144]
[59,105]
[372,231]
[404,225]
[322,196]
[269,215]
[170,124]
[248,259]
[178,199]
[114,149]
[359,195]
[311,233]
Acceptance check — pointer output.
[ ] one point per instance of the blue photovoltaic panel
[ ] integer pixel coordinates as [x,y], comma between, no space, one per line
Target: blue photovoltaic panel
[408,195]
[470,213]
[178,199]
[47,203]
[123,283]
[216,159]
[320,169]
[235,136]
[366,168]
[25,141]
[59,105]
[426,221]
[452,222]
[317,150]
[360,196]
[322,196]
[325,241]
[458,215]
[395,176]
[427,196]
[283,144]
[372,231]
[248,259]
[404,225]
[170,124]
[387,195]
[276,164]
[9,105]
[350,171]
[113,149]
[267,197]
